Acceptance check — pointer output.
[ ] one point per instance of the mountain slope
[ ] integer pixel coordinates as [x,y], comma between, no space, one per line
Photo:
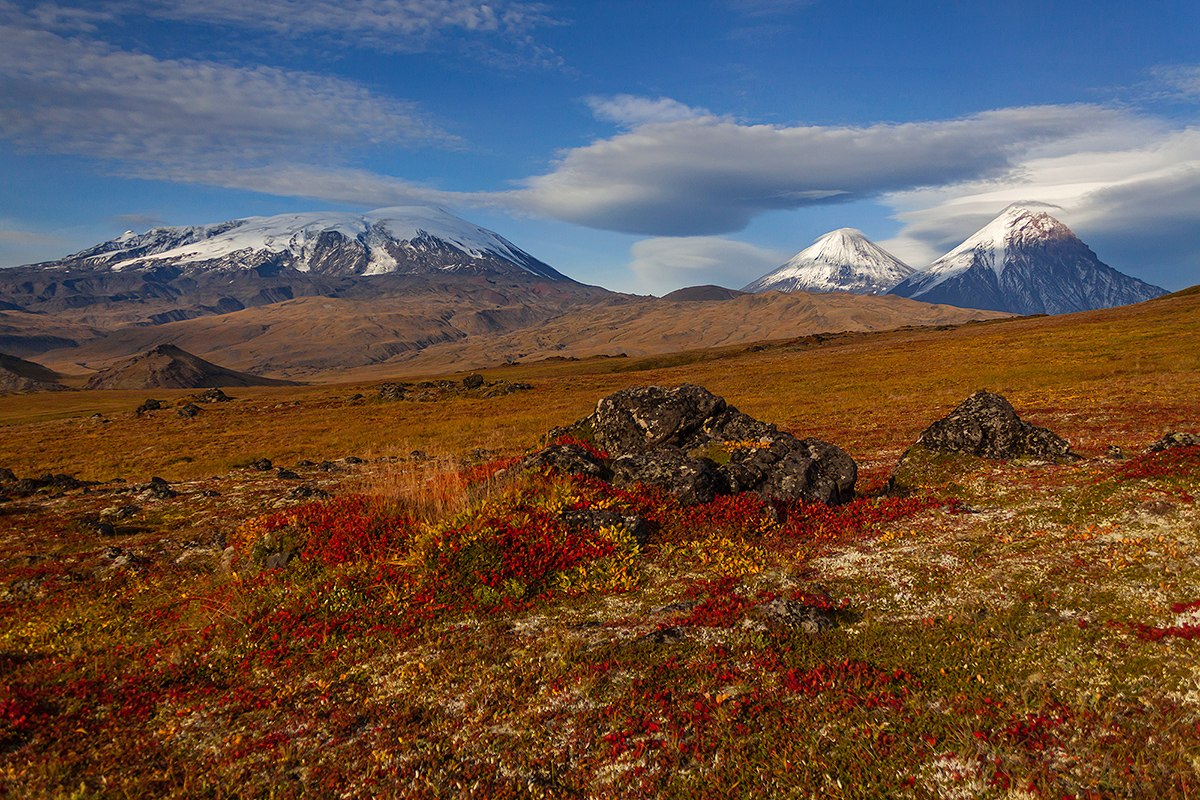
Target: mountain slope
[169,367]
[1026,262]
[840,261]
[404,239]
[18,376]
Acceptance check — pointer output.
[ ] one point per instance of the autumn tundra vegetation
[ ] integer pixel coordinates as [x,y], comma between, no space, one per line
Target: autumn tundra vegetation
[327,590]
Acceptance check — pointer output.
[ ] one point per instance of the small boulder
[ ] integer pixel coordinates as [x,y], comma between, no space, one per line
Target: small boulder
[1175,440]
[7,476]
[213,395]
[159,488]
[261,465]
[473,381]
[984,426]
[188,411]
[794,615]
[392,391]
[568,458]
[286,475]
[150,405]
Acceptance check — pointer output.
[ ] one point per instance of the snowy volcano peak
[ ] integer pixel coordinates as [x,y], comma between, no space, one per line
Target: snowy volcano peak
[840,261]
[1019,226]
[404,239]
[1027,262]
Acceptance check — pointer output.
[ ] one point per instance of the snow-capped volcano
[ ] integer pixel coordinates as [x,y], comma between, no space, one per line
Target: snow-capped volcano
[1027,262]
[405,239]
[840,261]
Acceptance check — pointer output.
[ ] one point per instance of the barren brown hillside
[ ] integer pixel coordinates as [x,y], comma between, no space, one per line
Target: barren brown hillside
[337,339]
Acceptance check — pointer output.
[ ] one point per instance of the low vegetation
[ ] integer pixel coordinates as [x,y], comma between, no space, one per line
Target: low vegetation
[440,624]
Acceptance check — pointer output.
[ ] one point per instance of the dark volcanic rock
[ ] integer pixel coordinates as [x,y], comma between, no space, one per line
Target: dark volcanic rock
[986,425]
[695,445]
[150,405]
[693,480]
[569,458]
[213,395]
[1175,440]
[392,391]
[641,418]
[473,381]
[261,464]
[159,488]
[983,426]
[792,614]
[188,411]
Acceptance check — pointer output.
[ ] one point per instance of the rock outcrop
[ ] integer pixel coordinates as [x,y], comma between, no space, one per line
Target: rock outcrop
[693,444]
[985,425]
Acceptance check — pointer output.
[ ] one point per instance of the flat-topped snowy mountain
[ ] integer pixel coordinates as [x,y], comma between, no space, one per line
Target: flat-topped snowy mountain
[840,261]
[407,239]
[1026,262]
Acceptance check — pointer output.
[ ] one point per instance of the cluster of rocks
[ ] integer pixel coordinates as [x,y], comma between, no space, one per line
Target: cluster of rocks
[187,408]
[52,483]
[432,391]
[696,446]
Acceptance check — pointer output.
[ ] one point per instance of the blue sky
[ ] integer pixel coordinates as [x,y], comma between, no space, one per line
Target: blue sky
[637,145]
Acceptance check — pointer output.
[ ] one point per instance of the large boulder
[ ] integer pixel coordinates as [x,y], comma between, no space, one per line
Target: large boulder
[986,425]
[694,444]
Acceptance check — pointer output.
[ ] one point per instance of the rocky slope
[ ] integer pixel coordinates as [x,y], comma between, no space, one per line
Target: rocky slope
[1027,262]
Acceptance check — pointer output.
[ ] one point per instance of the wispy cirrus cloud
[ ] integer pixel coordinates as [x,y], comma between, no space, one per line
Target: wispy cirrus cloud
[79,96]
[498,31]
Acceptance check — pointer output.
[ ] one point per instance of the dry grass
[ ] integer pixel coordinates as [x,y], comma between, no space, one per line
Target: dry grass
[870,393]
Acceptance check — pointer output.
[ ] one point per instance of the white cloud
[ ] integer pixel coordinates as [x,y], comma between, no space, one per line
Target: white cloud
[1136,202]
[631,110]
[165,116]
[666,263]
[709,175]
